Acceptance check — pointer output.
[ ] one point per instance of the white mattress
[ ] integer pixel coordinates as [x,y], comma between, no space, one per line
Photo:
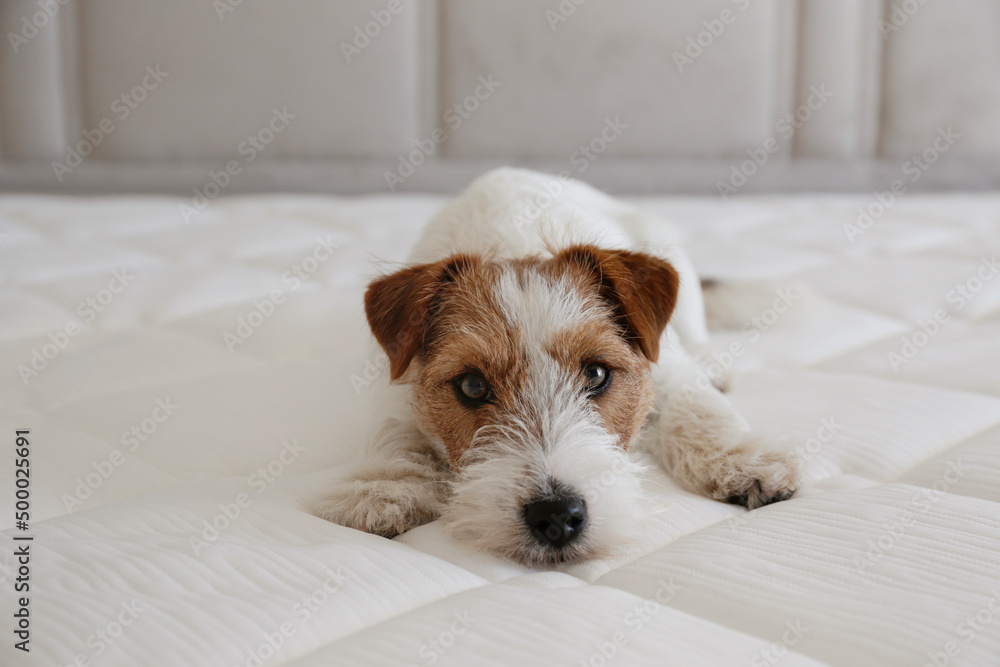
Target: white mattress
[866,566]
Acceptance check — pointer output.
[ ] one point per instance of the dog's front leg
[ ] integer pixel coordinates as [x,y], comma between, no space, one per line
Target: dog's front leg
[706,445]
[404,484]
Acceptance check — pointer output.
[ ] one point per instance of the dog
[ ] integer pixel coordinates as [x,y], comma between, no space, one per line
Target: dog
[536,347]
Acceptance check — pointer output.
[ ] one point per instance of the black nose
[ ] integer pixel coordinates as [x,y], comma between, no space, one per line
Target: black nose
[556,520]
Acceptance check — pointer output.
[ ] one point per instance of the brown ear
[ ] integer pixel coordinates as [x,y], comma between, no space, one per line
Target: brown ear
[642,288]
[400,305]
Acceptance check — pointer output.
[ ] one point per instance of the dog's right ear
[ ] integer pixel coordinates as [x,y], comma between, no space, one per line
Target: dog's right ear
[643,288]
[399,307]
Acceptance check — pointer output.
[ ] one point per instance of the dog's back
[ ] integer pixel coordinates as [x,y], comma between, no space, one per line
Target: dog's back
[516,213]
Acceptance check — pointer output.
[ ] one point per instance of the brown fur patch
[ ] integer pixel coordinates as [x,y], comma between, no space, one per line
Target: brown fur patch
[642,288]
[469,334]
[399,307]
[628,399]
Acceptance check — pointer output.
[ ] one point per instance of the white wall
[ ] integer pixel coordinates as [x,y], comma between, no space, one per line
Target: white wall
[563,70]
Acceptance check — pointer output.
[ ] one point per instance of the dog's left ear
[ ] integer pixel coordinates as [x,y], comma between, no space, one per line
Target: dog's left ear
[399,307]
[641,287]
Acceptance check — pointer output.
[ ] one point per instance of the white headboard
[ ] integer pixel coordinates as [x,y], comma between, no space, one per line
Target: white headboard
[368,95]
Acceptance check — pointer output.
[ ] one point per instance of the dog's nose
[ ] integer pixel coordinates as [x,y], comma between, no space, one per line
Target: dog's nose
[557,520]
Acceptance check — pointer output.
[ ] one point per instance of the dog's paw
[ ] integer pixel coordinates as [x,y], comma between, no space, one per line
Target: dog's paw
[382,507]
[756,496]
[756,478]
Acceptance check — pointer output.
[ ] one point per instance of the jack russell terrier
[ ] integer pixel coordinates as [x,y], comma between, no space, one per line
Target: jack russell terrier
[537,347]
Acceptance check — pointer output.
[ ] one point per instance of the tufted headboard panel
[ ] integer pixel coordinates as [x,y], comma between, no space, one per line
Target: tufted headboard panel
[713,97]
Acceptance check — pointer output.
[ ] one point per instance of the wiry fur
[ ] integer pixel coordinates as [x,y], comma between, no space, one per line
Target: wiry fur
[707,446]
[509,464]
[403,485]
[528,313]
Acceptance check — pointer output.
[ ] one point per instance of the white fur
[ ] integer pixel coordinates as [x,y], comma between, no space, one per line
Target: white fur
[554,434]
[541,306]
[558,442]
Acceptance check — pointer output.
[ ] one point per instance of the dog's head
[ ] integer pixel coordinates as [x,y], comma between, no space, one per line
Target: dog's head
[531,377]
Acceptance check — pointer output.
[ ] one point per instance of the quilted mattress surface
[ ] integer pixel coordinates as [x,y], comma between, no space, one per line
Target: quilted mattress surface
[188,387]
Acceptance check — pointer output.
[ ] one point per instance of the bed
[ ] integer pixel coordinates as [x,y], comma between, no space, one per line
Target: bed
[189,380]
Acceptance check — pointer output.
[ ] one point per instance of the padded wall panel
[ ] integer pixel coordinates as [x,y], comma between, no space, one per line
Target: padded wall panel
[942,67]
[840,51]
[563,74]
[228,70]
[34,110]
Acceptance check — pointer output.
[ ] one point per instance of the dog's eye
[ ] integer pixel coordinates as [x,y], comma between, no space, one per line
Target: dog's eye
[596,377]
[473,388]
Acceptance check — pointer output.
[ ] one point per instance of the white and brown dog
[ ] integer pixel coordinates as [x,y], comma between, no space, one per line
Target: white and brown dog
[536,354]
